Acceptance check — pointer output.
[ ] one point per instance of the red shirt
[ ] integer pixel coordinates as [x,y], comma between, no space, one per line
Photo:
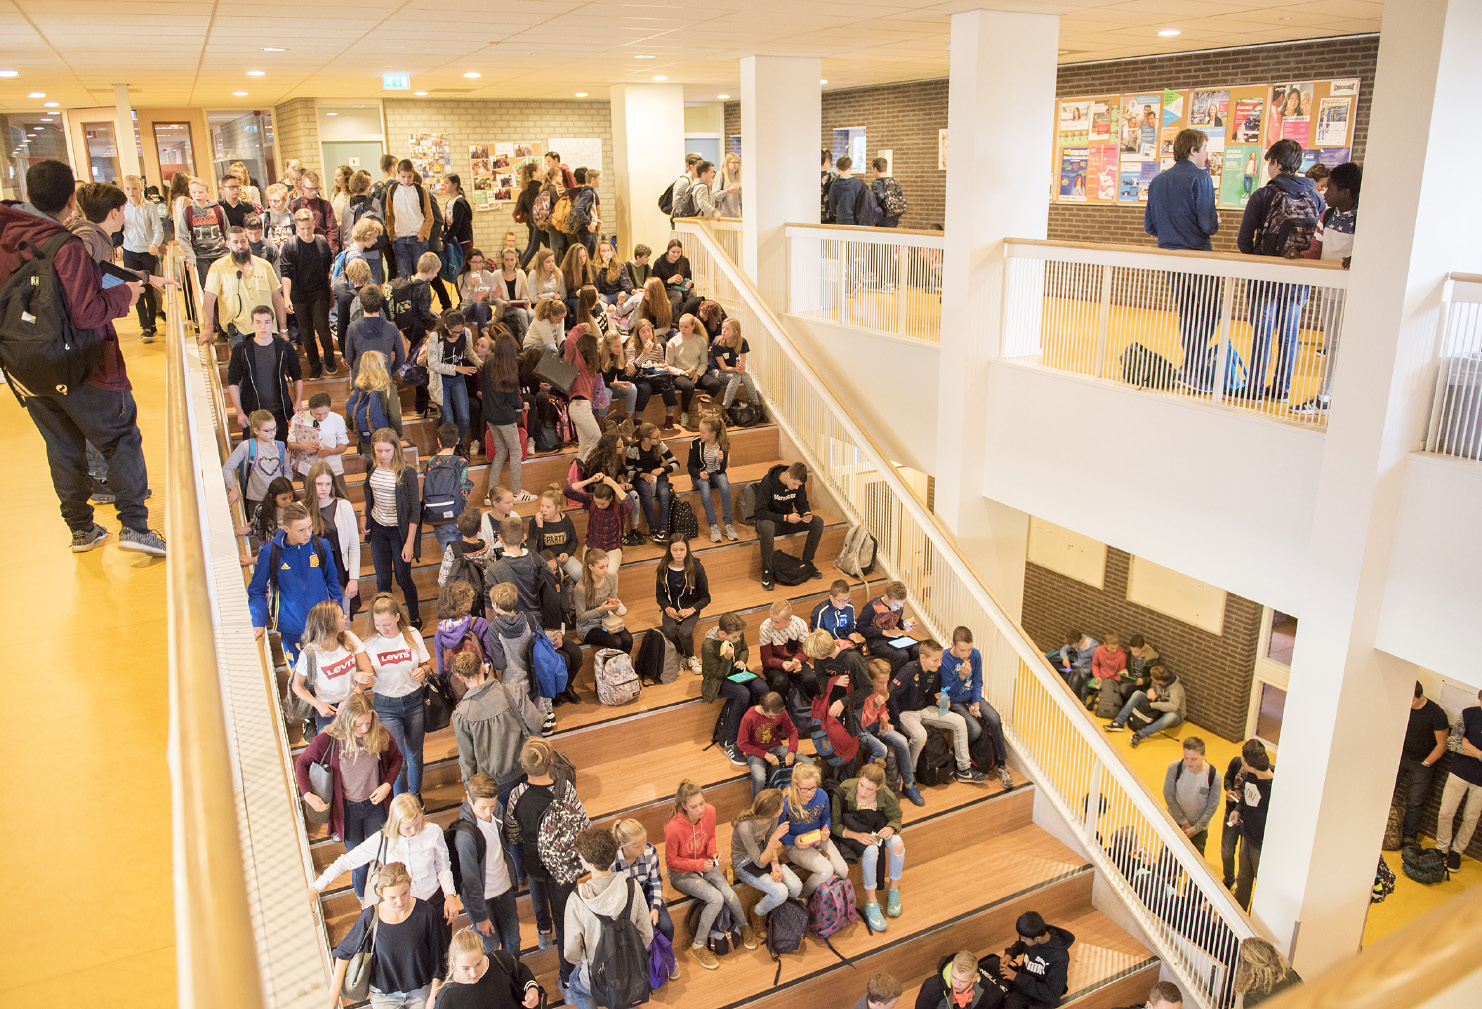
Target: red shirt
[760,733]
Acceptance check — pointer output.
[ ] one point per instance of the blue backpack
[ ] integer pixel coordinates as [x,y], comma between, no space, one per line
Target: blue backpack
[364,414]
[867,212]
[548,666]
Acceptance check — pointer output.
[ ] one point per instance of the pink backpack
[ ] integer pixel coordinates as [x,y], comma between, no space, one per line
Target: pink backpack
[832,907]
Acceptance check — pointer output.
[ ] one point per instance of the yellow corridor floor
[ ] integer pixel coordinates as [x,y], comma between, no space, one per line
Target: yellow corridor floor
[87,905]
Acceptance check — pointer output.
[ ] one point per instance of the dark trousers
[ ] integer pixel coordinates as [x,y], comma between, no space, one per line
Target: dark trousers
[148,305]
[1250,863]
[548,897]
[1229,842]
[505,914]
[621,640]
[343,304]
[738,697]
[1200,839]
[362,819]
[109,420]
[1415,777]
[312,313]
[682,633]
[533,242]
[386,543]
[686,387]
[767,530]
[1198,301]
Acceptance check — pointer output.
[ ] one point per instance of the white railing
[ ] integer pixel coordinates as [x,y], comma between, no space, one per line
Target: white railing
[1192,920]
[727,232]
[888,280]
[1160,319]
[1456,410]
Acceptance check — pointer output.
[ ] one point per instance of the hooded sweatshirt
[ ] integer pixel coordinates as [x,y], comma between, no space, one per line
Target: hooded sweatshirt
[988,988]
[1171,697]
[509,645]
[303,582]
[491,724]
[690,847]
[524,572]
[1044,975]
[450,632]
[1259,205]
[605,895]
[774,501]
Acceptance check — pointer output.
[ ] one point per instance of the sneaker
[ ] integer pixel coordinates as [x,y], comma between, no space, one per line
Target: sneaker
[684,419]
[873,916]
[971,776]
[660,538]
[813,572]
[84,540]
[893,903]
[739,759]
[488,500]
[704,957]
[1453,861]
[674,971]
[767,580]
[548,728]
[1005,778]
[146,336]
[146,541]
[715,534]
[1314,406]
[1136,740]
[545,940]
[634,538]
[695,666]
[524,497]
[101,494]
[731,533]
[914,794]
[749,937]
[1114,727]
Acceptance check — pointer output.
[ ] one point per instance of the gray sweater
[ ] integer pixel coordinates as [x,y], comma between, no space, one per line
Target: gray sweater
[491,724]
[1192,798]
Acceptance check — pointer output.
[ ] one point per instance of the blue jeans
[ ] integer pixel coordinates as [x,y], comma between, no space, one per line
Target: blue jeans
[895,862]
[720,482]
[516,851]
[1198,301]
[666,924]
[402,717]
[445,534]
[875,741]
[407,251]
[505,915]
[362,819]
[1275,310]
[1165,721]
[774,891]
[647,494]
[478,312]
[761,770]
[579,987]
[455,404]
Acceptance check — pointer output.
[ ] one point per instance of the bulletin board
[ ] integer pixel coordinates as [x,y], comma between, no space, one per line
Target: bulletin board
[495,169]
[1108,148]
[431,157]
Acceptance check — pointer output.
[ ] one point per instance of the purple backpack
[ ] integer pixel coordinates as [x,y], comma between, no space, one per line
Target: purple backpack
[832,907]
[660,961]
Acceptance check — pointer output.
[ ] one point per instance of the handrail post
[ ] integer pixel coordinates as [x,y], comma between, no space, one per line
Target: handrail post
[1103,321]
[1225,331]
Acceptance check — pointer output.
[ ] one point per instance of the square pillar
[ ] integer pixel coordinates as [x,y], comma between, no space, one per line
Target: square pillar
[123,134]
[648,154]
[781,120]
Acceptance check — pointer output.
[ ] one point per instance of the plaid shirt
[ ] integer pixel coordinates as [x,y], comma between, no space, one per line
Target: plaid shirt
[604,525]
[645,871]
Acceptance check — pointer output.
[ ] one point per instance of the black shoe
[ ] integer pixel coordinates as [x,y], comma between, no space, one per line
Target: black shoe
[634,539]
[417,623]
[813,572]
[316,374]
[572,697]
[767,580]
[101,494]
[1453,861]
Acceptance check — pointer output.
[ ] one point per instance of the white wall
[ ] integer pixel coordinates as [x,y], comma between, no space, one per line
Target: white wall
[648,154]
[1207,492]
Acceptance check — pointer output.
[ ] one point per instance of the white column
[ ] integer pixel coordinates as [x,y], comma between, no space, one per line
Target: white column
[1002,80]
[1348,703]
[123,134]
[648,142]
[781,120]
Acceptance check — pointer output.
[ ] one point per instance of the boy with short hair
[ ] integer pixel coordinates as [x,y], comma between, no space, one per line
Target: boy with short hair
[836,615]
[523,567]
[200,229]
[888,192]
[916,704]
[277,218]
[373,331]
[604,894]
[318,434]
[490,726]
[1072,660]
[782,509]
[1038,964]
[882,991]
[637,267]
[411,311]
[883,620]
[1190,792]
[724,673]
[260,370]
[469,546]
[962,680]
[445,530]
[486,873]
[304,262]
[768,738]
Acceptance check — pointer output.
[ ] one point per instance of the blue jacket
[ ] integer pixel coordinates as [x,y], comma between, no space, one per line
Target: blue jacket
[841,197]
[1180,211]
[839,623]
[304,581]
[958,691]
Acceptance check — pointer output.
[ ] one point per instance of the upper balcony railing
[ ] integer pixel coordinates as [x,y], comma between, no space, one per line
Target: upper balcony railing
[1456,410]
[1174,321]
[888,280]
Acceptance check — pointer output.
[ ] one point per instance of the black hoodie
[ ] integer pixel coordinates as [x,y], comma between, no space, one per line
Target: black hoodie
[774,501]
[1259,205]
[988,987]
[1044,976]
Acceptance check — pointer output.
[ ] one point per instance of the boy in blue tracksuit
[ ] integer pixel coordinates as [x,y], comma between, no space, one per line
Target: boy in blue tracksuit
[307,575]
[962,680]
[835,614]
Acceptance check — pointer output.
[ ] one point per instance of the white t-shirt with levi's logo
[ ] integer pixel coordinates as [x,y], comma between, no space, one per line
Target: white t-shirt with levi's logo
[335,676]
[394,659]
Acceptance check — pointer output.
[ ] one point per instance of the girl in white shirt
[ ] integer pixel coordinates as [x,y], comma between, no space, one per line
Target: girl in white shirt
[333,518]
[409,839]
[400,659]
[501,502]
[331,663]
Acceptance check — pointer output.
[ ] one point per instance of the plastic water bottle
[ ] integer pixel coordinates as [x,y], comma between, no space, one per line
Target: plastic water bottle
[943,704]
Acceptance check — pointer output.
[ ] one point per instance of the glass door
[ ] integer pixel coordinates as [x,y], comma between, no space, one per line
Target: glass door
[172,144]
[102,152]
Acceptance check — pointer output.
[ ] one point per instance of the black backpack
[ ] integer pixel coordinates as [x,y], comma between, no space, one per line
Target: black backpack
[450,838]
[983,753]
[934,766]
[666,199]
[682,522]
[785,927]
[743,415]
[1146,369]
[619,965]
[787,569]
[41,352]
[1424,865]
[464,570]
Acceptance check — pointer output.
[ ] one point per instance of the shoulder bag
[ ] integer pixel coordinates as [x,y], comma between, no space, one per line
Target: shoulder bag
[358,972]
[558,374]
[321,783]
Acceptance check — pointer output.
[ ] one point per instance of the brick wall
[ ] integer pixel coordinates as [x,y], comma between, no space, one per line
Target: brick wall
[297,130]
[733,127]
[476,122]
[1216,669]
[903,118]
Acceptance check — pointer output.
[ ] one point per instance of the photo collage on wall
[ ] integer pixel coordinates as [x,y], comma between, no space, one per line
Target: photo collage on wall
[431,156]
[495,170]
[1109,148]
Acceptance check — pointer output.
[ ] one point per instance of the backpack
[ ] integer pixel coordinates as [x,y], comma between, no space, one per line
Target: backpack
[787,569]
[1424,865]
[781,777]
[934,766]
[540,210]
[364,414]
[244,468]
[548,667]
[468,643]
[666,201]
[892,199]
[555,840]
[617,683]
[1145,368]
[1384,882]
[1290,225]
[867,208]
[832,907]
[464,570]
[450,838]
[725,933]
[983,754]
[824,217]
[618,968]
[857,558]
[444,496]
[1109,702]
[681,204]
[660,960]
[658,659]
[743,415]
[785,927]
[682,521]
[561,219]
[746,504]
[275,562]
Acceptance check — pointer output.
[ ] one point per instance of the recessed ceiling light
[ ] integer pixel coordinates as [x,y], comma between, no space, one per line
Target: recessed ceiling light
[822,81]
[46,119]
[581,94]
[10,73]
[644,57]
[51,105]
[723,97]
[257,73]
[1169,32]
[331,113]
[274,49]
[37,94]
[420,94]
[239,94]
[473,73]
[660,77]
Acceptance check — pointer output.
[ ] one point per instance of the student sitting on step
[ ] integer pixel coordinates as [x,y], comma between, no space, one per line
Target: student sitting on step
[882,991]
[883,621]
[1037,965]
[683,592]
[867,818]
[1108,663]
[551,530]
[962,981]
[962,679]
[1072,660]
[694,868]
[604,895]
[723,658]
[876,731]
[649,465]
[768,739]
[469,548]
[756,853]
[918,703]
[836,615]
[599,611]
[637,857]
[808,841]
[781,636]
[782,509]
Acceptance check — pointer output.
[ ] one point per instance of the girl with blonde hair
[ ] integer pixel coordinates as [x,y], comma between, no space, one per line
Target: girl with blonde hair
[727,186]
[250,193]
[371,376]
[688,360]
[707,468]
[1262,971]
[399,656]
[407,953]
[728,361]
[808,839]
[546,280]
[406,837]
[638,857]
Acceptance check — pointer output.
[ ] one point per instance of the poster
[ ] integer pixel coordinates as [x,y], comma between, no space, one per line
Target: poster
[1131,177]
[495,170]
[941,150]
[1173,107]
[1348,88]
[577,152]
[1332,121]
[1075,123]
[1209,108]
[1073,173]
[1101,170]
[1332,157]
[1247,117]
[1140,124]
[1239,173]
[1288,101]
[1101,123]
[1150,170]
[1296,128]
[431,156]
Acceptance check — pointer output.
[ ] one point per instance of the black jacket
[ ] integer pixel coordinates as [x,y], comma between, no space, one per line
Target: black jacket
[239,373]
[989,989]
[774,501]
[304,281]
[698,596]
[408,503]
[913,688]
[1045,974]
[695,463]
[411,308]
[581,210]
[460,228]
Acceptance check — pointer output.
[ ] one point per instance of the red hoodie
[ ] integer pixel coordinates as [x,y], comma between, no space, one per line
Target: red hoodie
[690,847]
[90,306]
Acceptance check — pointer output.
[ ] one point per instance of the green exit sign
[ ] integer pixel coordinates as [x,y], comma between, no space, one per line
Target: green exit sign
[396,82]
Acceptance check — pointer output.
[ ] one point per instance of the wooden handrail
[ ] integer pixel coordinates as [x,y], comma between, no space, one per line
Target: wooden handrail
[1153,250]
[1467,278]
[217,957]
[1404,969]
[919,232]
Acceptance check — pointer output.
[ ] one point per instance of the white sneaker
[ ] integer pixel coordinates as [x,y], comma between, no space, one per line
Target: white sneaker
[731,533]
[695,666]
[524,497]
[715,534]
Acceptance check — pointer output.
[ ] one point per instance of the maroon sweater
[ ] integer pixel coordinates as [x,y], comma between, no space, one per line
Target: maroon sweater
[326,226]
[389,763]
[90,306]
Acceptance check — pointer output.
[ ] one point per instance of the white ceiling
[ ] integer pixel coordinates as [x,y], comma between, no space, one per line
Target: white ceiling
[197,52]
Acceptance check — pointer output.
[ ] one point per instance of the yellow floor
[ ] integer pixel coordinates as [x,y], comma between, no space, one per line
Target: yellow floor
[86,903]
[1410,899]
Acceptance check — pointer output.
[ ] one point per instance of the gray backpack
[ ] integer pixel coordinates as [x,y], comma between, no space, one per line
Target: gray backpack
[857,558]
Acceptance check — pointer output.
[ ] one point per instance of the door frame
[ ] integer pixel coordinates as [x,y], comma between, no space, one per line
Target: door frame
[1267,671]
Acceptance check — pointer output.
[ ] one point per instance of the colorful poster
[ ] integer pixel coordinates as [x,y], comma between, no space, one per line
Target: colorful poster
[1140,125]
[1073,173]
[1102,169]
[1150,170]
[1208,108]
[1173,107]
[481,175]
[1247,118]
[1332,122]
[1165,148]
[1332,157]
[1287,101]
[1131,177]
[1101,123]
[431,156]
[1238,174]
[1075,123]
[1296,128]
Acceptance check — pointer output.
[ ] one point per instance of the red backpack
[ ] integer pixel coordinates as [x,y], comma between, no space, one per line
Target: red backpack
[468,643]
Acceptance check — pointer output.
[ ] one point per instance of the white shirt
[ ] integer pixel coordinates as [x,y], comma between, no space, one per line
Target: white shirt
[425,855]
[348,533]
[489,527]
[496,873]
[409,216]
[394,661]
[336,673]
[332,434]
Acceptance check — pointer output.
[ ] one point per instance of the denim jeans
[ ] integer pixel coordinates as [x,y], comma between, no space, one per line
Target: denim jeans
[477,312]
[399,999]
[402,717]
[505,914]
[579,988]
[455,404]
[761,770]
[386,543]
[97,466]
[362,819]
[710,889]
[109,421]
[648,493]
[548,898]
[897,742]
[1165,721]
[444,534]
[666,924]
[720,482]
[774,891]
[1275,311]
[407,251]
[895,862]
